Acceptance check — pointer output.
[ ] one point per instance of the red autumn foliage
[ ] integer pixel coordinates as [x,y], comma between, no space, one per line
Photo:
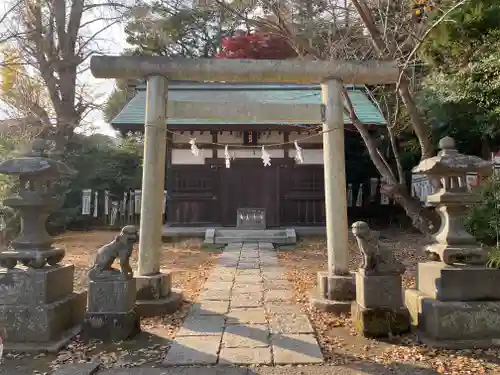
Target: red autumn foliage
[255,45]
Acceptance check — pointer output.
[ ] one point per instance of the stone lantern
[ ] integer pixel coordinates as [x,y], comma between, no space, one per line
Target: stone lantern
[39,309]
[36,199]
[452,243]
[456,302]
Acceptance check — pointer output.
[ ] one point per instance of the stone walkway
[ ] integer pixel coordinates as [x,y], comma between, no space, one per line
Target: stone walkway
[244,315]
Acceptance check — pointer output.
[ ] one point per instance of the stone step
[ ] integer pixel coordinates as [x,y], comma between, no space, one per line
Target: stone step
[230,236]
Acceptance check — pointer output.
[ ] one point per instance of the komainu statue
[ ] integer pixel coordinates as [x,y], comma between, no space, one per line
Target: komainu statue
[120,248]
[377,260]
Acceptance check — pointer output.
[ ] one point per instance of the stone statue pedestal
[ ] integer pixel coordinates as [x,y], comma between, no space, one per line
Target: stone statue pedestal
[456,306]
[111,314]
[155,295]
[333,294]
[38,309]
[379,310]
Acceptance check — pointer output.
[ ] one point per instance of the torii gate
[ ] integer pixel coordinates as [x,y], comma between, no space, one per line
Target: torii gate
[336,286]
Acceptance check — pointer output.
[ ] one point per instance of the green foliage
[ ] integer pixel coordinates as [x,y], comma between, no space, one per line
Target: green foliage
[100,166]
[483,219]
[461,95]
[494,258]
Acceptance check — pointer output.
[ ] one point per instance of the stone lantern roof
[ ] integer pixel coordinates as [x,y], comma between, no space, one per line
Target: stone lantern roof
[450,162]
[34,163]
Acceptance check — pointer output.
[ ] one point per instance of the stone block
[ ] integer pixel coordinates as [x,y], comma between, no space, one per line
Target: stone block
[318,302]
[468,283]
[336,288]
[291,236]
[245,335]
[193,350]
[153,287]
[111,296]
[413,302]
[110,326]
[159,307]
[209,236]
[245,356]
[379,291]
[449,321]
[42,324]
[29,286]
[296,349]
[380,321]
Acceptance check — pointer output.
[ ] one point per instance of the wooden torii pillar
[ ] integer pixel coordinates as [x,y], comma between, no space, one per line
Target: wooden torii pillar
[336,287]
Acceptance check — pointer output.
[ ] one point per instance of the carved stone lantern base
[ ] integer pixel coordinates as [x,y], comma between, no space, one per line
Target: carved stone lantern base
[39,311]
[456,306]
[31,258]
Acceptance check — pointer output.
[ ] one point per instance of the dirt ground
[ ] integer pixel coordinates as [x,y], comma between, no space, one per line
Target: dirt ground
[340,342]
[190,266]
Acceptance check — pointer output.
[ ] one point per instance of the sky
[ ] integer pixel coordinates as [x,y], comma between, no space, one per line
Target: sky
[114,44]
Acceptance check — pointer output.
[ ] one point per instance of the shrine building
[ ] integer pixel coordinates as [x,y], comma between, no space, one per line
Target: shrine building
[203,191]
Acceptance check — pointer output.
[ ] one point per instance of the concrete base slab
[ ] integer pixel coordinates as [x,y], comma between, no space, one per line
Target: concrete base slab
[43,347]
[318,302]
[159,307]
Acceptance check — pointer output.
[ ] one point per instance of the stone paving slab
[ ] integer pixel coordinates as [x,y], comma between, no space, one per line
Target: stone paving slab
[244,315]
[246,336]
[246,356]
[256,315]
[239,288]
[277,308]
[215,295]
[274,295]
[248,266]
[278,284]
[251,272]
[78,369]
[201,325]
[210,308]
[361,368]
[248,279]
[193,350]
[220,285]
[246,300]
[290,324]
[296,349]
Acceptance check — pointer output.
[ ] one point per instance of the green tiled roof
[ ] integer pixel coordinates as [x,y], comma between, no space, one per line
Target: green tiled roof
[133,112]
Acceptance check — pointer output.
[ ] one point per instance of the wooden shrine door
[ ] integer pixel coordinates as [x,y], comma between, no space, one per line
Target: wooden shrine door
[248,184]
